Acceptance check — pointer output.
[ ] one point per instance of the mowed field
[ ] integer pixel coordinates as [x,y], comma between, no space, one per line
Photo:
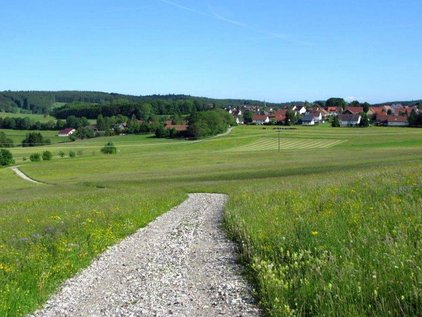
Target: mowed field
[330,224]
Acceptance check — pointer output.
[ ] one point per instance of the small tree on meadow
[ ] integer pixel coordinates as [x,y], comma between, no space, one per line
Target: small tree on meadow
[6,158]
[5,141]
[109,148]
[47,156]
[35,157]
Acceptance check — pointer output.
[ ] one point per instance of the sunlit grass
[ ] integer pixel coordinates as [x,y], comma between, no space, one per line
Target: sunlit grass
[308,204]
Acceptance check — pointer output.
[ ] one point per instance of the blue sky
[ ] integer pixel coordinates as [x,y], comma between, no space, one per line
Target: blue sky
[283,50]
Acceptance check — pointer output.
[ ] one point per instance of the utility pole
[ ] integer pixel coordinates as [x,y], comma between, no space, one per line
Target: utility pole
[278,132]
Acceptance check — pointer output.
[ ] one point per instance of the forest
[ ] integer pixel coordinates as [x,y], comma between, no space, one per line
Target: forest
[43,102]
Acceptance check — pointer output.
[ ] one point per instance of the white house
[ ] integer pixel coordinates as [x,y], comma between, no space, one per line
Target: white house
[317,115]
[349,120]
[308,119]
[392,121]
[299,109]
[399,121]
[260,119]
[238,120]
[66,132]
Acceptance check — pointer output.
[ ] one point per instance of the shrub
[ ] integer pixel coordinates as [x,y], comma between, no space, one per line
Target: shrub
[6,158]
[47,156]
[109,148]
[61,154]
[35,157]
[35,139]
[72,154]
[5,141]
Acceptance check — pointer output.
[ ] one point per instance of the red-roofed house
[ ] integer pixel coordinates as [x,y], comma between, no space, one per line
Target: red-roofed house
[259,119]
[333,111]
[177,127]
[392,121]
[353,110]
[280,116]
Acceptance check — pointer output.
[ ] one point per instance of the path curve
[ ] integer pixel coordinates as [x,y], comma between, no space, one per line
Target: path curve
[229,130]
[181,264]
[23,175]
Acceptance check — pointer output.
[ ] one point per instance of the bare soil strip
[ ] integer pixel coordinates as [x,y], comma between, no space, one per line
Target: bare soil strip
[182,264]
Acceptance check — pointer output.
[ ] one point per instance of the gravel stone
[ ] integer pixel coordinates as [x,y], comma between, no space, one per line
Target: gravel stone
[181,264]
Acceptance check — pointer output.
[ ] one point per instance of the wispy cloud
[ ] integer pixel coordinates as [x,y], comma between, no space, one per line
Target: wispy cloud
[351,98]
[224,19]
[268,35]
[177,5]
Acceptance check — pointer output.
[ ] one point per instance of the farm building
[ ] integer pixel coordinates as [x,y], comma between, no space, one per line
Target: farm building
[66,132]
[349,120]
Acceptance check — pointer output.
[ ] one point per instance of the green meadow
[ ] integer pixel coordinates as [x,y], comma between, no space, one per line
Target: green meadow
[328,220]
[35,117]
[18,135]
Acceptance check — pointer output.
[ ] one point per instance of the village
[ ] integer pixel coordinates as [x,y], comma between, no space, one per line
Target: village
[394,115]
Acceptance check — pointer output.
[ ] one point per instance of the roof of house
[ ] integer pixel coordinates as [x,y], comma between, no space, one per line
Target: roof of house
[391,118]
[332,109]
[259,117]
[377,110]
[177,127]
[66,131]
[316,113]
[280,115]
[349,117]
[308,117]
[353,110]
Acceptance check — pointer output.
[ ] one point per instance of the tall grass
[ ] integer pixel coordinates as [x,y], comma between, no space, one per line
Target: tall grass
[349,246]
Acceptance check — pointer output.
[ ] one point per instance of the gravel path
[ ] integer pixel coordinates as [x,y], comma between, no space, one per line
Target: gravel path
[23,176]
[181,264]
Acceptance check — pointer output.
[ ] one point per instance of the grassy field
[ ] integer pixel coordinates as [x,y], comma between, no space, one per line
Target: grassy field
[329,225]
[35,117]
[18,135]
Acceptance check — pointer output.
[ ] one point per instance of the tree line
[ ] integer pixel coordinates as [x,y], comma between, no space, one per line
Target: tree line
[25,123]
[43,102]
[139,110]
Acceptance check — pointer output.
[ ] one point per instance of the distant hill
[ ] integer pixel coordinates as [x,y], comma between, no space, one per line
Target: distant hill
[42,102]
[404,103]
